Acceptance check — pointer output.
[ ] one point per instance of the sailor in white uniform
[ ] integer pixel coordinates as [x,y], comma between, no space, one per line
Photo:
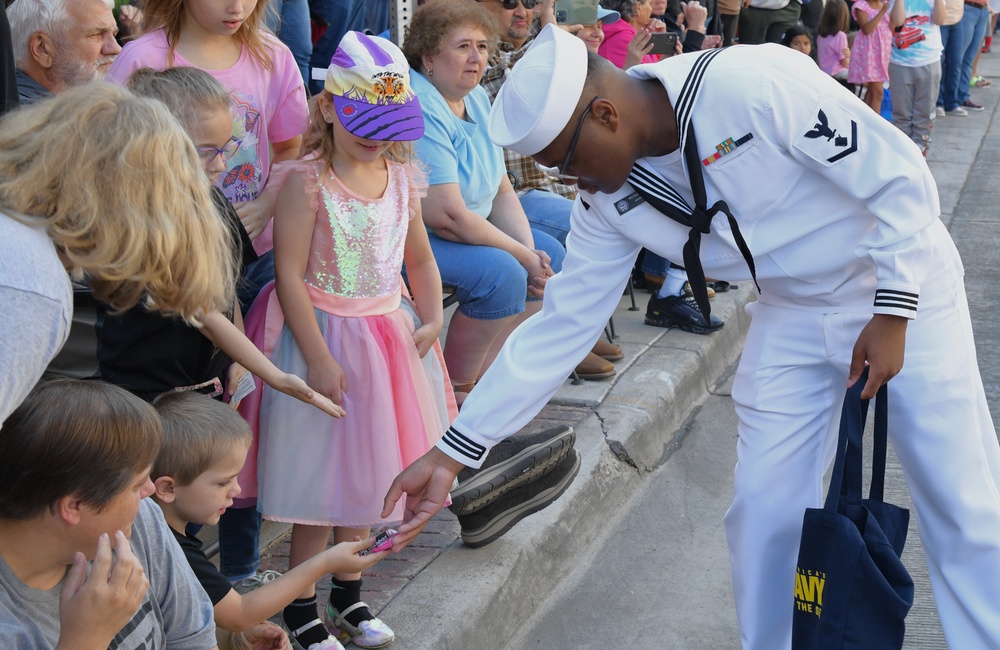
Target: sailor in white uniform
[840,219]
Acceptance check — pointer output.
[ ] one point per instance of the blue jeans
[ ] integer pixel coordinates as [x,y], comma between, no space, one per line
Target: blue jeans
[343,16]
[976,21]
[488,281]
[953,42]
[377,16]
[291,22]
[653,264]
[254,278]
[239,542]
[548,212]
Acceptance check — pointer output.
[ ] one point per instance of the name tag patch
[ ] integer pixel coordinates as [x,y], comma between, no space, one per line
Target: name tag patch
[629,202]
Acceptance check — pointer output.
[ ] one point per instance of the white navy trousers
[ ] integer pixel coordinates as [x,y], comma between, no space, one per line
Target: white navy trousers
[788,391]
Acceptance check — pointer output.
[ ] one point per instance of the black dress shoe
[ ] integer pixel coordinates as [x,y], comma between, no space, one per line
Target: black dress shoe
[681,312]
[510,464]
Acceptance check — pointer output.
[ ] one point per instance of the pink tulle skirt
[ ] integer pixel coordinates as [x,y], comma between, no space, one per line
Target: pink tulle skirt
[318,470]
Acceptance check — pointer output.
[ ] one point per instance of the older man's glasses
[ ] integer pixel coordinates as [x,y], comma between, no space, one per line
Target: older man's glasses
[560,171]
[227,151]
[512,4]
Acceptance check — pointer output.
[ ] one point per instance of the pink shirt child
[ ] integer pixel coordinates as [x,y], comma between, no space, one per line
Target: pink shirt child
[870,53]
[831,50]
[268,106]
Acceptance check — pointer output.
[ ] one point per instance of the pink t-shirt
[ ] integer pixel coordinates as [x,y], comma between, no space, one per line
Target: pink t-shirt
[831,50]
[268,106]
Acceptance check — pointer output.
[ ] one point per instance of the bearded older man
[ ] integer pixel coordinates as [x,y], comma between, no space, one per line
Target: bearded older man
[59,44]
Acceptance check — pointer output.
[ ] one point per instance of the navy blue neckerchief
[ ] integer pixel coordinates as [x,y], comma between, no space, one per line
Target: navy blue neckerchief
[658,193]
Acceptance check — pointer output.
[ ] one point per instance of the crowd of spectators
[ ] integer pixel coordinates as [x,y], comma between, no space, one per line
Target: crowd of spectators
[134,281]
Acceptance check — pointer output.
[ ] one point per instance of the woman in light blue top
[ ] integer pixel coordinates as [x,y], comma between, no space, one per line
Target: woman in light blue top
[480,235]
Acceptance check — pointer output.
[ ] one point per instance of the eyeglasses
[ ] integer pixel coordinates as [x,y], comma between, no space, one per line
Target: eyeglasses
[512,4]
[227,151]
[560,171]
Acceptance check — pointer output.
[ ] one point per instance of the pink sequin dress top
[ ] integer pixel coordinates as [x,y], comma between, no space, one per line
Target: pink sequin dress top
[870,52]
[314,469]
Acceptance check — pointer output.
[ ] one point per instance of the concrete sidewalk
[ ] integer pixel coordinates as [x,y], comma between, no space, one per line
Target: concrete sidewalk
[439,594]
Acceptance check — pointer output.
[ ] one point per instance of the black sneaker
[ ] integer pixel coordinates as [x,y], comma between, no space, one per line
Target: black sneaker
[511,463]
[488,524]
[681,312]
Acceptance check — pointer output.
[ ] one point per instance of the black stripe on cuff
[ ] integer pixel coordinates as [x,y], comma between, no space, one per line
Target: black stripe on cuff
[463,445]
[896,299]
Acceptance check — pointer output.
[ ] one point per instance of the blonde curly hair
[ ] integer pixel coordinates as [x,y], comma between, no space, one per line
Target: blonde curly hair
[119,185]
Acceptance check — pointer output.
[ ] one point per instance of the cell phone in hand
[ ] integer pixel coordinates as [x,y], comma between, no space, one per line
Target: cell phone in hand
[576,12]
[663,43]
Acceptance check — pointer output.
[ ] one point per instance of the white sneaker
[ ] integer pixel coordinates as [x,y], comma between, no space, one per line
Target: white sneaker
[958,111]
[939,111]
[258,580]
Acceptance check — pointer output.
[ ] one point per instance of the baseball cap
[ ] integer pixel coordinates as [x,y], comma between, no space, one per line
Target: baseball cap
[369,79]
[607,16]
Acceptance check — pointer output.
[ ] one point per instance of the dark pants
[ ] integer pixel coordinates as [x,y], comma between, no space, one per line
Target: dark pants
[952,40]
[767,25]
[255,277]
[342,16]
[239,542]
[729,22]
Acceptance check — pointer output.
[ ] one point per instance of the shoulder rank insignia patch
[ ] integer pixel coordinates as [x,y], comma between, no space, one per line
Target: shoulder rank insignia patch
[835,142]
[629,202]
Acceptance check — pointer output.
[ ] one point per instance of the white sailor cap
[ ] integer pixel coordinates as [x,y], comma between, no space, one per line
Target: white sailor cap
[540,94]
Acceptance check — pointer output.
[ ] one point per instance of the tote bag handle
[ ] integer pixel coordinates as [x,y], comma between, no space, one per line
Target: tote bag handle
[845,483]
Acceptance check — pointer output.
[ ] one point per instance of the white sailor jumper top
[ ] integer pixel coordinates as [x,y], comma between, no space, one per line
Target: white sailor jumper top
[837,206]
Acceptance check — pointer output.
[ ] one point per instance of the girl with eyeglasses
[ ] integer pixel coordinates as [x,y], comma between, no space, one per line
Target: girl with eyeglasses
[148,353]
[230,42]
[100,182]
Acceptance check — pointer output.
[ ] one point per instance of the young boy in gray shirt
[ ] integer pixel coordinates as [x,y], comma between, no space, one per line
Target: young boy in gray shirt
[75,458]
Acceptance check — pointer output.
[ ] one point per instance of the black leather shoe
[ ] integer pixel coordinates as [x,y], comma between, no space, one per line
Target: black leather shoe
[680,312]
[513,462]
[486,525]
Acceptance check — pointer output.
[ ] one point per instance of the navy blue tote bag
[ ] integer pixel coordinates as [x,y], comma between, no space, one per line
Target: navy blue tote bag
[851,589]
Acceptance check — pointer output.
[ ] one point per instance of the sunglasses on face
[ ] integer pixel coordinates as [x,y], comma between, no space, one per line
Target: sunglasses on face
[227,151]
[512,4]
